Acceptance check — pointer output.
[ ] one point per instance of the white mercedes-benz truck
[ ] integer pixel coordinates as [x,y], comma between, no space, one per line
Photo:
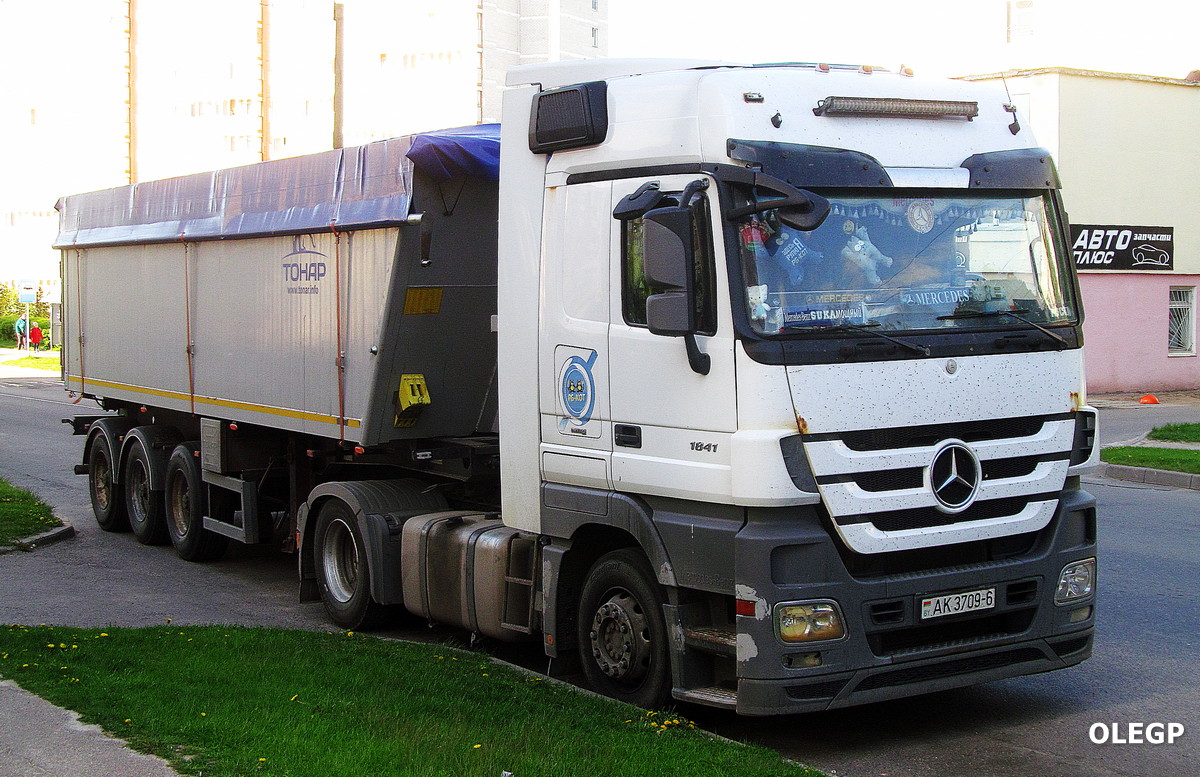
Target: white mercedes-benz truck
[752,386]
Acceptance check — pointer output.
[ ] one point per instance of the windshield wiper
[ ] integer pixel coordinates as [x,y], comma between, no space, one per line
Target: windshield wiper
[865,328]
[1011,314]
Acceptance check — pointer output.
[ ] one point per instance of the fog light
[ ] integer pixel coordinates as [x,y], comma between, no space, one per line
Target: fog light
[1077,581]
[809,621]
[802,660]
[1080,615]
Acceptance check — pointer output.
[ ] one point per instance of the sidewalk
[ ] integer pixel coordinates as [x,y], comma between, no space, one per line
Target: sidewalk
[1157,477]
[38,739]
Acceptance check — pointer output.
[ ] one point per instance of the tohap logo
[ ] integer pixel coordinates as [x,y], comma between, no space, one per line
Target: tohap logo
[1135,733]
[304,267]
[309,271]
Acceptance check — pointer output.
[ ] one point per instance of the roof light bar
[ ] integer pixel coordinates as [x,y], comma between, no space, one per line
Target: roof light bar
[896,108]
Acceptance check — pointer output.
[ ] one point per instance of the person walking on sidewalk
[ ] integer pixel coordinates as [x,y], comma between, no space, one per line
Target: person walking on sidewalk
[19,328]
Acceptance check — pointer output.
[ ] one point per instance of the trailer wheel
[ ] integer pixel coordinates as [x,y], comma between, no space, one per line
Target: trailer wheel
[143,505]
[185,507]
[342,570]
[622,632]
[108,499]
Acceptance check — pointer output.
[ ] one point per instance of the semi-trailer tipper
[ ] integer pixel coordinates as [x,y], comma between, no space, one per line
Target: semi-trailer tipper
[752,386]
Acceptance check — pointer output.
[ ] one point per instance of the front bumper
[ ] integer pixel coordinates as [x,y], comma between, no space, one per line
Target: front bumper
[889,651]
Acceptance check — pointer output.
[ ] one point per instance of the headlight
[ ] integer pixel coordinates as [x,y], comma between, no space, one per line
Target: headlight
[1077,581]
[809,621]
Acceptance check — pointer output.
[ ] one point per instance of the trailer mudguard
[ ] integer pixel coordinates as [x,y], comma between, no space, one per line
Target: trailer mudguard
[109,432]
[158,441]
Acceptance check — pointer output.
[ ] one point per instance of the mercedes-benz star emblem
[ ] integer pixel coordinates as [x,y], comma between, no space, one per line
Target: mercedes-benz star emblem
[954,477]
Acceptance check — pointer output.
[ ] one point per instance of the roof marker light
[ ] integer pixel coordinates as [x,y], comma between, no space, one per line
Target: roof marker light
[823,67]
[896,107]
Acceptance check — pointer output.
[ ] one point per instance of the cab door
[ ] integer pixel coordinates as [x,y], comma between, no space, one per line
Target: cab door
[576,434]
[671,424]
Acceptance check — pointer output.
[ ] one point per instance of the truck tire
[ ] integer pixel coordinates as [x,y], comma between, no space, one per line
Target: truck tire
[108,498]
[143,505]
[343,574]
[622,632]
[185,507]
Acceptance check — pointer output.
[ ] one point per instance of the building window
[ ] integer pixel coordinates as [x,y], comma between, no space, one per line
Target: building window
[595,37]
[595,5]
[1181,337]
[1020,20]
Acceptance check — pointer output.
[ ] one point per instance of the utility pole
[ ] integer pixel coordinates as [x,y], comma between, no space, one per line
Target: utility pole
[131,86]
[264,65]
[339,74]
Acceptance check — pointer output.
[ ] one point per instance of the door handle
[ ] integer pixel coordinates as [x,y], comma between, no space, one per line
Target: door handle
[627,436]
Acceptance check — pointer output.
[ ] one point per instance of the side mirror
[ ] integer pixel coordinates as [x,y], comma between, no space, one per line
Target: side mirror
[669,262]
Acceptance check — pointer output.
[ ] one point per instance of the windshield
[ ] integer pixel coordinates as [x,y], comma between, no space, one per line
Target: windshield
[907,263]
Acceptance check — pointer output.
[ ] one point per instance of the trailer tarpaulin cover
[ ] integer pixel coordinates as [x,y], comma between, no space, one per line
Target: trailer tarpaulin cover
[445,154]
[348,188]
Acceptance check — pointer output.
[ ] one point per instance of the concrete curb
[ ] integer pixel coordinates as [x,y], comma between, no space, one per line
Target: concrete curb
[64,532]
[1155,477]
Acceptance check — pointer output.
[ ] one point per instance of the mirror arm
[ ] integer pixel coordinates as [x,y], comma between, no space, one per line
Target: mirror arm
[791,196]
[699,361]
[691,190]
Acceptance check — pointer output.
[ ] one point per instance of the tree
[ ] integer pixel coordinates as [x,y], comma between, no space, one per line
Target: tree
[8,301]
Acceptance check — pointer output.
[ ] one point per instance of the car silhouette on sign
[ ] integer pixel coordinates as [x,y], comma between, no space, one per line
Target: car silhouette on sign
[1147,254]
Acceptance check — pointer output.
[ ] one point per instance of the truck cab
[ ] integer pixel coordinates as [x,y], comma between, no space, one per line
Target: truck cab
[809,337]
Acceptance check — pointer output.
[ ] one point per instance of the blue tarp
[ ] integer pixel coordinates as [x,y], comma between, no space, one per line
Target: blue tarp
[348,188]
[445,154]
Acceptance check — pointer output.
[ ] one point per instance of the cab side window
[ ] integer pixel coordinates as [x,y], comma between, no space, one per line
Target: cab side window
[634,286]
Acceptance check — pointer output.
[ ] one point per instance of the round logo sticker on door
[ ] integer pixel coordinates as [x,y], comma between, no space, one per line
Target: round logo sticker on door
[577,392]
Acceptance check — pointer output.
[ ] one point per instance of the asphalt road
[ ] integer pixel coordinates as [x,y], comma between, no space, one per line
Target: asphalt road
[1144,669]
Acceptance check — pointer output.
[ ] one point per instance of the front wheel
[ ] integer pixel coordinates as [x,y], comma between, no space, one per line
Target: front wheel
[108,498]
[343,572]
[622,632]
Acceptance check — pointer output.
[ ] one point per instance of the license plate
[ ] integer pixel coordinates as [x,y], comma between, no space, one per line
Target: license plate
[955,604]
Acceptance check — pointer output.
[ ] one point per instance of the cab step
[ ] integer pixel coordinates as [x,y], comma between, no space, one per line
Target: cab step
[722,642]
[713,696]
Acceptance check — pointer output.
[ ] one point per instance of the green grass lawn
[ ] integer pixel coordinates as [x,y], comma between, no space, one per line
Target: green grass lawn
[1173,459]
[219,700]
[22,514]
[1176,433]
[50,361]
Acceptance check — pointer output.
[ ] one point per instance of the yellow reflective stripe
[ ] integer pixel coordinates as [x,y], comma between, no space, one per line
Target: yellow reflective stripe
[217,402]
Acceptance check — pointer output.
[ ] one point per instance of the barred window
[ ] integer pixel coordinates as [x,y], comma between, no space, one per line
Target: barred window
[1181,337]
